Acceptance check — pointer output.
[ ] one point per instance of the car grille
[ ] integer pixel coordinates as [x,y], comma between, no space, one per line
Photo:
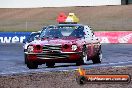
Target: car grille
[52,52]
[52,48]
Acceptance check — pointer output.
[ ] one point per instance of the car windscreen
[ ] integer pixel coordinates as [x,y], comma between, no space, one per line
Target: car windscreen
[64,31]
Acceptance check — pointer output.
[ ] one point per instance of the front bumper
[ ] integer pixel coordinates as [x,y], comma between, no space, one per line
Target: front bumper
[54,55]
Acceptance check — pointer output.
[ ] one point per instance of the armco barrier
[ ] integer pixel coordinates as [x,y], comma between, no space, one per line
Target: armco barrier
[105,37]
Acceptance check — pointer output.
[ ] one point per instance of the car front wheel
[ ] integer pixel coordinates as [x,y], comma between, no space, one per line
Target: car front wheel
[32,65]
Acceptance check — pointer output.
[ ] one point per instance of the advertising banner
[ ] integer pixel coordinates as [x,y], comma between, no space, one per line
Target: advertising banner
[104,36]
[115,36]
[13,37]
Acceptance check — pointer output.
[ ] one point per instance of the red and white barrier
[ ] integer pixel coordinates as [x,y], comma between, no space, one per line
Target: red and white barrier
[115,36]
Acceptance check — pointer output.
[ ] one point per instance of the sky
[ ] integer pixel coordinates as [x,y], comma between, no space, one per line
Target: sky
[54,3]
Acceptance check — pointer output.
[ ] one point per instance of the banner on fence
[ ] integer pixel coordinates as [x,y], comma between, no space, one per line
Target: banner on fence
[115,36]
[13,37]
[105,37]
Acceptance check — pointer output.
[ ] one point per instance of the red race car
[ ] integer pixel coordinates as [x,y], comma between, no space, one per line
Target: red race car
[64,43]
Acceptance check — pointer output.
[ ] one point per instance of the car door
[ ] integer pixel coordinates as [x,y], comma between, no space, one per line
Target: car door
[89,39]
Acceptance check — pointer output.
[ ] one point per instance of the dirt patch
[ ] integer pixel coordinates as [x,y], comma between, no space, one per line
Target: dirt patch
[62,79]
[100,18]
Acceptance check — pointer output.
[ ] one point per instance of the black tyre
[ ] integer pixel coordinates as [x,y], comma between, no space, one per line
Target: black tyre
[98,58]
[25,58]
[83,58]
[32,65]
[50,64]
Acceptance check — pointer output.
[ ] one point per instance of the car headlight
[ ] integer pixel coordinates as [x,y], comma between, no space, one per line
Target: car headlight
[30,49]
[74,47]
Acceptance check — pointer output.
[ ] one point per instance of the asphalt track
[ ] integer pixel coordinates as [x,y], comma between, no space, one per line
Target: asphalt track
[12,59]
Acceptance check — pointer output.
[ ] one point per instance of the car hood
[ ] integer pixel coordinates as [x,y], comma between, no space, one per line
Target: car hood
[56,41]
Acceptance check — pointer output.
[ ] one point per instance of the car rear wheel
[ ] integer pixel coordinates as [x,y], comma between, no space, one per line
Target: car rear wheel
[50,65]
[97,58]
[32,65]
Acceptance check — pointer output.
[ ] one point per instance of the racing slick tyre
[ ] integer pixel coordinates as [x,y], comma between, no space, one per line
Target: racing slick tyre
[98,58]
[32,65]
[25,58]
[50,65]
[83,58]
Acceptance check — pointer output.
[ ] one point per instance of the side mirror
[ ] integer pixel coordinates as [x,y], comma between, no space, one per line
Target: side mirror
[36,37]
